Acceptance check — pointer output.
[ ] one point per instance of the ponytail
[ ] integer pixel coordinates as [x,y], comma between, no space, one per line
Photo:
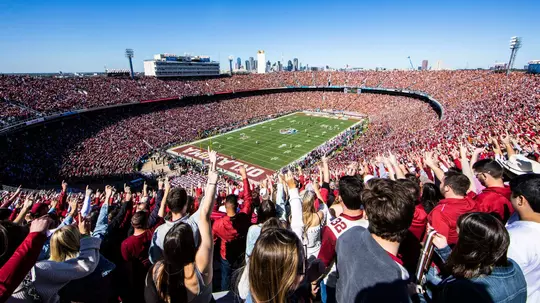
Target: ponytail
[179,250]
[170,284]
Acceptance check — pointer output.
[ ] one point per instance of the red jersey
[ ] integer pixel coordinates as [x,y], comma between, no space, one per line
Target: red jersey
[444,216]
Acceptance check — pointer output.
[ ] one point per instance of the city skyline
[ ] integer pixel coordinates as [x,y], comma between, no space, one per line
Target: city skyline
[85,37]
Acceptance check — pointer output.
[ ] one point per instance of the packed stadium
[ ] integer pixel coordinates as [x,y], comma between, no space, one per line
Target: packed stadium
[194,181]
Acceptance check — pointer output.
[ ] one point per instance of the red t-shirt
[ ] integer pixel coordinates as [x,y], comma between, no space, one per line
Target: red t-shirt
[135,252]
[444,216]
[496,200]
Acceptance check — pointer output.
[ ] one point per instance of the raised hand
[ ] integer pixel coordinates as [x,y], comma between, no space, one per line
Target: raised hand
[392,158]
[88,191]
[212,156]
[430,160]
[40,225]
[84,225]
[29,201]
[127,189]
[167,184]
[289,179]
[506,139]
[108,191]
[242,171]
[72,202]
[160,184]
[386,162]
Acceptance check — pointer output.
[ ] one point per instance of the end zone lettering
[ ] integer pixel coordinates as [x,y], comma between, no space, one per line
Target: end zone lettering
[223,162]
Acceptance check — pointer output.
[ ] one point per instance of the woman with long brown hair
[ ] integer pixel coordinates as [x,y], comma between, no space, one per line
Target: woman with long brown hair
[277,266]
[479,267]
[185,273]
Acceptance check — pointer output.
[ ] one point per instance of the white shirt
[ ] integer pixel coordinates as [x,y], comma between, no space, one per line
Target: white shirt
[525,250]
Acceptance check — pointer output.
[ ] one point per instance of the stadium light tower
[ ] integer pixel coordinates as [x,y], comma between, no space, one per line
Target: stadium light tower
[515,44]
[129,55]
[230,63]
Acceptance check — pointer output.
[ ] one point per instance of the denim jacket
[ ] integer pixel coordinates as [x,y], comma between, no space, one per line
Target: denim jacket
[504,284]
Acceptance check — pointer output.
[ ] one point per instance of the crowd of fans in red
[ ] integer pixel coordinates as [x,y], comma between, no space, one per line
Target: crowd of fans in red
[355,235]
[351,228]
[477,105]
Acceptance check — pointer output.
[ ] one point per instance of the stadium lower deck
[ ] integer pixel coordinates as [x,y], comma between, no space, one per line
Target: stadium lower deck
[270,145]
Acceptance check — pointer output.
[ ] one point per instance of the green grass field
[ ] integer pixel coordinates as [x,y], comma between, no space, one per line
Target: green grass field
[275,150]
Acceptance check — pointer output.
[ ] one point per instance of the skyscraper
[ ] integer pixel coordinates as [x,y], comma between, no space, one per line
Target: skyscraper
[252,64]
[279,67]
[424,64]
[268,65]
[295,64]
[261,57]
[238,63]
[289,65]
[248,65]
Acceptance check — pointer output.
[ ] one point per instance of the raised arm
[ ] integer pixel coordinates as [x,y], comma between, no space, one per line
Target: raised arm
[85,210]
[297,224]
[476,155]
[8,201]
[281,210]
[119,218]
[433,164]
[204,255]
[62,199]
[467,171]
[248,199]
[506,142]
[391,172]
[326,170]
[145,190]
[23,259]
[395,166]
[28,202]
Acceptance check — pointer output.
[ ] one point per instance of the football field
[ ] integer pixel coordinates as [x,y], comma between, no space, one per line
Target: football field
[275,143]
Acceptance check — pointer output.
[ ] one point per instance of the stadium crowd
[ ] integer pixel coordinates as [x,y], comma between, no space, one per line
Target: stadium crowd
[351,227]
[354,236]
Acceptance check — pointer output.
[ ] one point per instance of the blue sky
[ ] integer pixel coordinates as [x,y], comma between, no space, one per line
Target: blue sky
[49,36]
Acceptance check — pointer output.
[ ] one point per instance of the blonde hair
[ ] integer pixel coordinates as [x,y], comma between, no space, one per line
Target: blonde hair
[308,208]
[65,243]
[274,265]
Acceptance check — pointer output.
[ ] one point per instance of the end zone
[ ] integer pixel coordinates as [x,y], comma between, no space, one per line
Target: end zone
[224,163]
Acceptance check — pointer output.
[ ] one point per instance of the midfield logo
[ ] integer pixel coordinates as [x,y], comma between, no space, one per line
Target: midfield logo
[288,131]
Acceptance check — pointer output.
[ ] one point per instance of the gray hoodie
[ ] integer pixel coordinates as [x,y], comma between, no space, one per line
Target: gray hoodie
[48,277]
[156,247]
